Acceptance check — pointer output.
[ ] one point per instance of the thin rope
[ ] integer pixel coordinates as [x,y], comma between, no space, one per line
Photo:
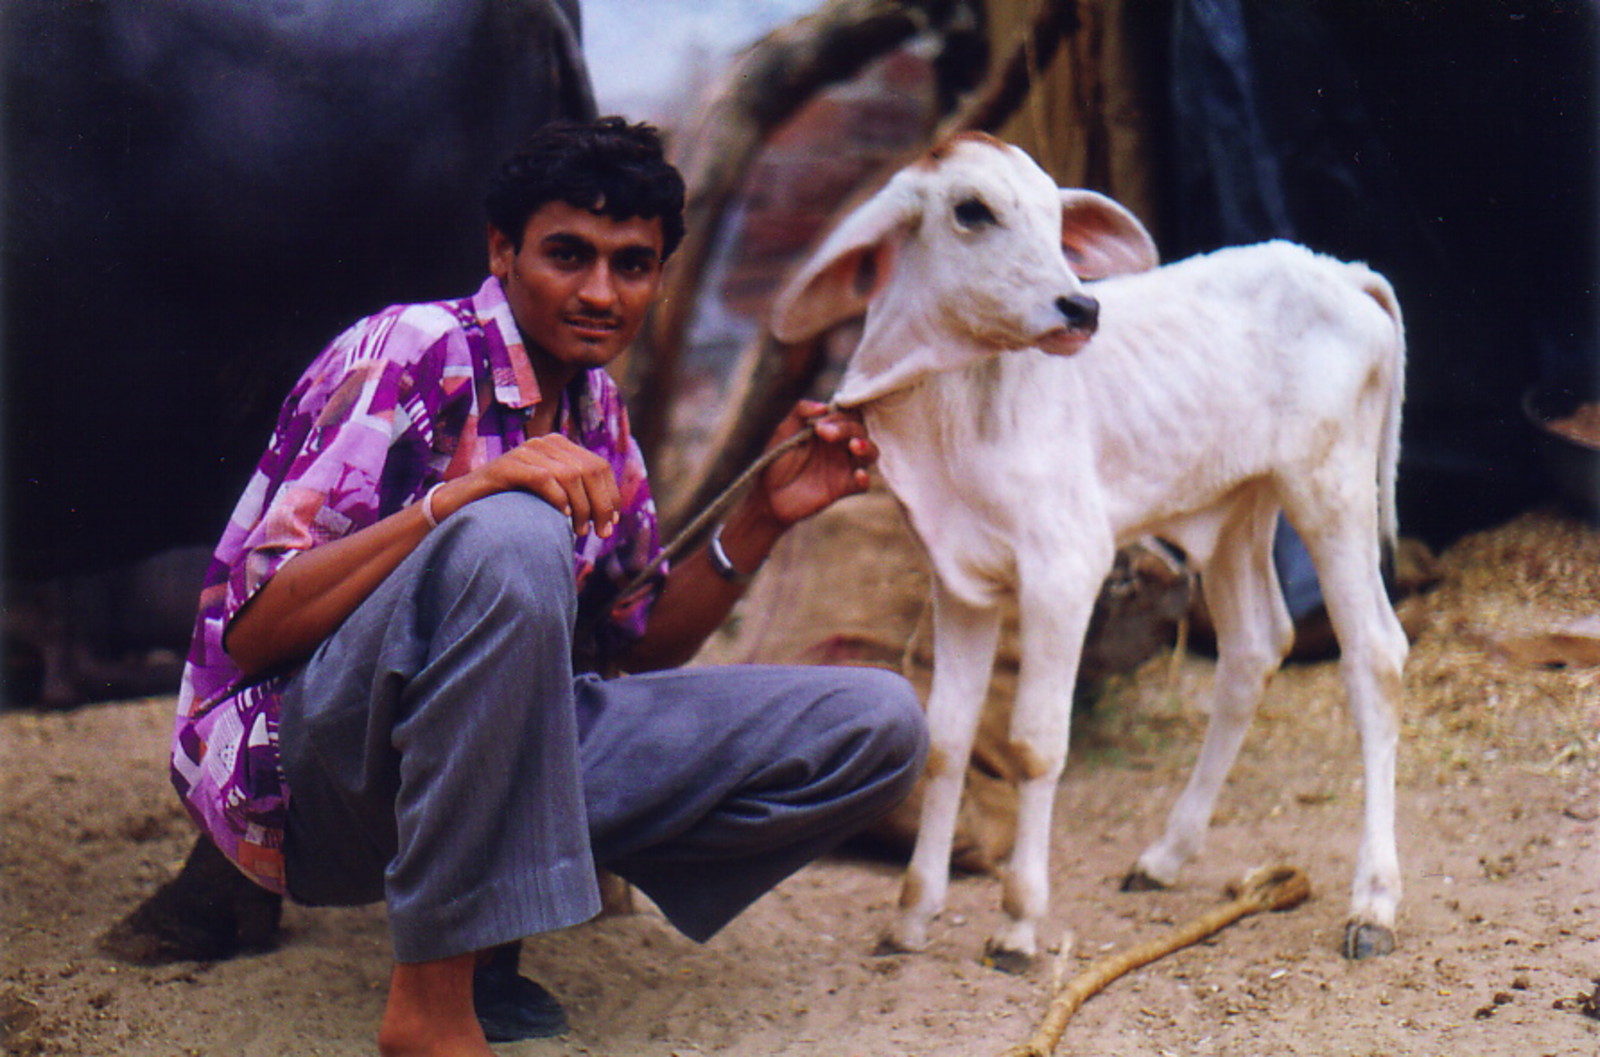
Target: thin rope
[717,507]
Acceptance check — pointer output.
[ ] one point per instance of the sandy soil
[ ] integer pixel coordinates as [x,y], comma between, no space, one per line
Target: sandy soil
[1500,930]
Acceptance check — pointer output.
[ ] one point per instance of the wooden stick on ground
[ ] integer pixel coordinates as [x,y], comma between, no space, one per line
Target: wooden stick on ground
[1269,888]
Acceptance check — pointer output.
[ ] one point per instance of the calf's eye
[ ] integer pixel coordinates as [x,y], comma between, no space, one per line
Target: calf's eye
[972,213]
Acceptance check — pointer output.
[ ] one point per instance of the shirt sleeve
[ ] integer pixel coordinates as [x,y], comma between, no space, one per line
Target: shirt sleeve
[322,475]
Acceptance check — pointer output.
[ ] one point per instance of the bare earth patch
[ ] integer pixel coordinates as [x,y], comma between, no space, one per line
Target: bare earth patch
[1499,930]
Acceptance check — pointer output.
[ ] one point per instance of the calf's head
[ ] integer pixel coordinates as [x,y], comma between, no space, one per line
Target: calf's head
[968,252]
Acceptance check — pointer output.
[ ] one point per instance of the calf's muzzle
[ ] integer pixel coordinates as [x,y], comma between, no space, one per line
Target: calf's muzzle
[1081,312]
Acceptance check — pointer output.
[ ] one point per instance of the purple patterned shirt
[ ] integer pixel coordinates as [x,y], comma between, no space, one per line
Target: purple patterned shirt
[404,399]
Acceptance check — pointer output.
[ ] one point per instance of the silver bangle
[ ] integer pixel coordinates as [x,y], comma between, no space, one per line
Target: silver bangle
[721,563]
[427,506]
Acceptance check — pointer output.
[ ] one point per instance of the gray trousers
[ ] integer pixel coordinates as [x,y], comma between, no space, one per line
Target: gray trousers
[442,756]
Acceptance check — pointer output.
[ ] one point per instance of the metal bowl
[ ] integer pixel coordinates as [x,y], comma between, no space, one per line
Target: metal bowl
[1566,424]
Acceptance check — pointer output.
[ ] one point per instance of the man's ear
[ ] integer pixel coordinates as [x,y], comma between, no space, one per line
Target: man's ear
[501,252]
[1101,238]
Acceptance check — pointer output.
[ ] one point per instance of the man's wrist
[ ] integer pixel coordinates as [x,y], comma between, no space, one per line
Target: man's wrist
[723,565]
[428,513]
[742,542]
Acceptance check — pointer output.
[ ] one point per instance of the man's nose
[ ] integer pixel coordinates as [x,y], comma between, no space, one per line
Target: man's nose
[599,286]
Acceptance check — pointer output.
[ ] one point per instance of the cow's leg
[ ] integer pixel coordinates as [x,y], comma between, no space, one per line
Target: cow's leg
[208,912]
[1054,613]
[1372,652]
[964,643]
[1254,632]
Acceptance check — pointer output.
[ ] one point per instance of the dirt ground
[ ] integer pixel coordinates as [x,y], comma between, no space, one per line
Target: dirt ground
[1499,932]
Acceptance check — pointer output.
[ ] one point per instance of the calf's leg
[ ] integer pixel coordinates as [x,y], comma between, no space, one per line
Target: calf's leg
[1372,651]
[1054,620]
[965,638]
[1253,634]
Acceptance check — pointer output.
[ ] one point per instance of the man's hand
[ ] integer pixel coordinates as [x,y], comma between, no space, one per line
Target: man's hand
[310,596]
[570,478]
[818,473]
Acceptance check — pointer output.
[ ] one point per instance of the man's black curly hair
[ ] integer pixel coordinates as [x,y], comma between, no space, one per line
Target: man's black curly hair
[607,166]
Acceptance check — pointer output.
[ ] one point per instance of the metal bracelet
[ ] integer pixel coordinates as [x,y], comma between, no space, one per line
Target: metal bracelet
[427,507]
[721,563]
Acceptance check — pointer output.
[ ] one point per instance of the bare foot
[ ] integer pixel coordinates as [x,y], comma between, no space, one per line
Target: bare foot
[430,1013]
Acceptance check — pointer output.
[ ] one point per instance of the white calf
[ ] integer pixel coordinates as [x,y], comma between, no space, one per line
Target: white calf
[1215,393]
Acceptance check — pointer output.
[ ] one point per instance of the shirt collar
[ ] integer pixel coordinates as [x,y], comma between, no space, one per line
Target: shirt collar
[514,383]
[512,373]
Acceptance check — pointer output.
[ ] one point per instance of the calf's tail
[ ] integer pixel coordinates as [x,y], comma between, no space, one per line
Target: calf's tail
[1377,287]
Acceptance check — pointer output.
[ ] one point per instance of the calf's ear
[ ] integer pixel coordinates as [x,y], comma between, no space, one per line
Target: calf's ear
[1101,238]
[846,272]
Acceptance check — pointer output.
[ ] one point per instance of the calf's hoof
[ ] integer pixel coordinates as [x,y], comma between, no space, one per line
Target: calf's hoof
[888,947]
[1006,960]
[907,934]
[1366,940]
[1139,881]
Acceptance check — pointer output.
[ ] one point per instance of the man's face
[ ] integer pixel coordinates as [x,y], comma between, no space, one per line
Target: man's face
[581,284]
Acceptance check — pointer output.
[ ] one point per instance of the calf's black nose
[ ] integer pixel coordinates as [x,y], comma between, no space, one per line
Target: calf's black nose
[1081,311]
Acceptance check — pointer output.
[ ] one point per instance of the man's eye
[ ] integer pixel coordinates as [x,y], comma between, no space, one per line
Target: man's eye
[972,213]
[565,253]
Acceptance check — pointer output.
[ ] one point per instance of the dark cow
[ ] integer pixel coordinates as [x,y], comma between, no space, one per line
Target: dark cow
[197,197]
